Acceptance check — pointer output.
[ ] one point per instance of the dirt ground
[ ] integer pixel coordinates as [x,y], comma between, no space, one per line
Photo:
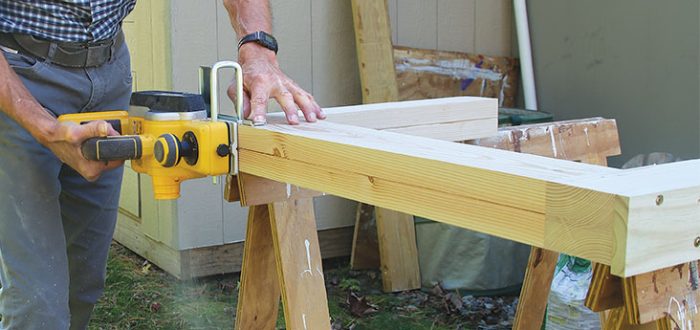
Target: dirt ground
[141,296]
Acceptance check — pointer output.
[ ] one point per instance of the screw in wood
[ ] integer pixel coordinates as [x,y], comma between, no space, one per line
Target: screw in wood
[659,199]
[696,242]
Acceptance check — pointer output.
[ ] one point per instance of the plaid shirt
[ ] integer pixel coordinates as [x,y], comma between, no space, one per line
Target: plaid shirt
[64,20]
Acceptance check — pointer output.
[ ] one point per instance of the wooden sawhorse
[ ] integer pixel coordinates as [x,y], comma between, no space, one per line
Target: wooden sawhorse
[281,256]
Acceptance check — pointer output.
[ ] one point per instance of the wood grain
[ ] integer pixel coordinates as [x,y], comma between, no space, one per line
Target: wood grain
[259,294]
[254,190]
[450,119]
[444,181]
[374,52]
[398,250]
[299,266]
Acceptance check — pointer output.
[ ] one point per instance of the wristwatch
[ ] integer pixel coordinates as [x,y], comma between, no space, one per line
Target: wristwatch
[261,38]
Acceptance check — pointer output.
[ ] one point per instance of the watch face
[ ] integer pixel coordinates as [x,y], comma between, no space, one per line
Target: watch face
[268,39]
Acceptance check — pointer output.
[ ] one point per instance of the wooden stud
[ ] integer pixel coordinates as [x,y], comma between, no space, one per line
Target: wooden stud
[398,250]
[299,267]
[374,51]
[399,256]
[259,293]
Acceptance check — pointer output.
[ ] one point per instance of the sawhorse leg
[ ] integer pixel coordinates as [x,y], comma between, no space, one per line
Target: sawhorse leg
[533,297]
[282,246]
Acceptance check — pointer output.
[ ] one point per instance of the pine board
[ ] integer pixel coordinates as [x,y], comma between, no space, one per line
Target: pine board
[530,199]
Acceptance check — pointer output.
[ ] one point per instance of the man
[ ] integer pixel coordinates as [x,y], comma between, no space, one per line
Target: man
[58,210]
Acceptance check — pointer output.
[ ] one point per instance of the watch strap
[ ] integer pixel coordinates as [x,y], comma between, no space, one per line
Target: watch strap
[261,38]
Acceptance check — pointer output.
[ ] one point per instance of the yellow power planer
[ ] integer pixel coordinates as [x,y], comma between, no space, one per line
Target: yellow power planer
[169,136]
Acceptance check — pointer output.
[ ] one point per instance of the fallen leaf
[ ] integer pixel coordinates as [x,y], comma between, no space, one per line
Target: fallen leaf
[359,305]
[146,269]
[155,307]
[437,290]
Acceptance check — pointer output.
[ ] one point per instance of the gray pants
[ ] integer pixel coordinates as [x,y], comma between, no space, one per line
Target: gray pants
[55,227]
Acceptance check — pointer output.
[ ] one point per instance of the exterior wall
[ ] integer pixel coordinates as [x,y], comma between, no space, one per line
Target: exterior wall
[635,61]
[170,39]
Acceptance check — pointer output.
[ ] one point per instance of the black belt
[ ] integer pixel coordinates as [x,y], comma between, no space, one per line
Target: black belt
[69,54]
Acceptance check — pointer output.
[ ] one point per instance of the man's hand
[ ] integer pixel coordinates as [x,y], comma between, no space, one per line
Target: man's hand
[65,142]
[263,79]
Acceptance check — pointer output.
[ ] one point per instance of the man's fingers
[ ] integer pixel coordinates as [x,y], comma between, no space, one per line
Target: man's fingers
[306,103]
[258,106]
[286,100]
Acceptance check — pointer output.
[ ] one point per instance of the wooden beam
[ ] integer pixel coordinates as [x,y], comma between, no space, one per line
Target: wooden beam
[450,119]
[374,51]
[602,214]
[399,261]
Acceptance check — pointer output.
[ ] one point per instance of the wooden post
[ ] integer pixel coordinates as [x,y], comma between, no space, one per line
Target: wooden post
[398,253]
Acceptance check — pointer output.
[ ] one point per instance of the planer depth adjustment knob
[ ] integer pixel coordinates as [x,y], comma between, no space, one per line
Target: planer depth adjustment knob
[168,149]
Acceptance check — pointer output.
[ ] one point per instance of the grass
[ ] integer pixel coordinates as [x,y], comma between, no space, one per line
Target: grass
[138,295]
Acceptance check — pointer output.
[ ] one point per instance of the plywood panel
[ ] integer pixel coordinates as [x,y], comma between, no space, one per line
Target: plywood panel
[456,25]
[493,27]
[335,77]
[417,23]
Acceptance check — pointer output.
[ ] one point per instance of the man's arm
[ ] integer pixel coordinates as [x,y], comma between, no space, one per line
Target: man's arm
[64,140]
[263,78]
